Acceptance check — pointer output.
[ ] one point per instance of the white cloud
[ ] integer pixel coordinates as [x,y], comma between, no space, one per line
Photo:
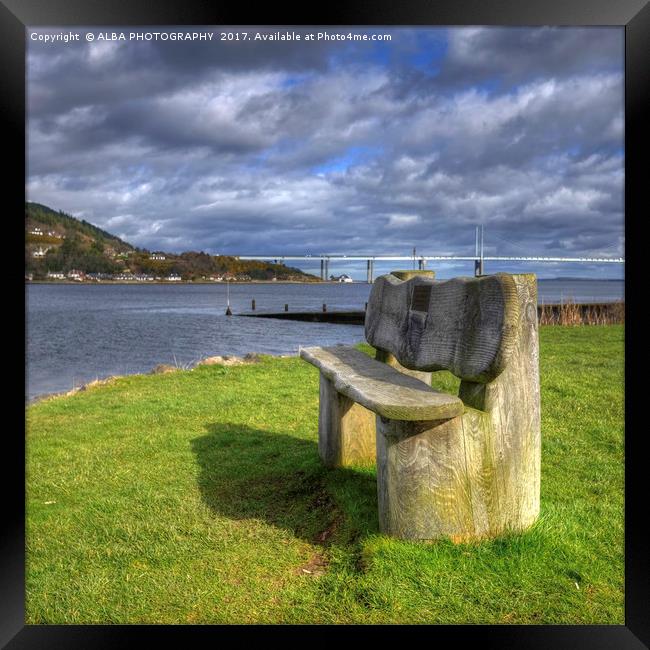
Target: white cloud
[402,220]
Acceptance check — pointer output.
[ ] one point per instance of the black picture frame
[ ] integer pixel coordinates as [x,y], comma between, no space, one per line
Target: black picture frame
[634,15]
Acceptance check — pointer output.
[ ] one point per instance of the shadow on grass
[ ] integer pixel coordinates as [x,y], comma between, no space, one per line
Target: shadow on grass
[248,473]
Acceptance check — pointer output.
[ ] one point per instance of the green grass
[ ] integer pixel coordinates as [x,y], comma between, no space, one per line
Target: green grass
[198,497]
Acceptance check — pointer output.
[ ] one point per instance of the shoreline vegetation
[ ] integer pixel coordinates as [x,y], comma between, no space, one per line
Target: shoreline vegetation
[161,369]
[197,496]
[576,314]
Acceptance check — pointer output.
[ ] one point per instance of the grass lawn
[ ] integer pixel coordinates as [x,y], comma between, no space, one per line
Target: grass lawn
[198,497]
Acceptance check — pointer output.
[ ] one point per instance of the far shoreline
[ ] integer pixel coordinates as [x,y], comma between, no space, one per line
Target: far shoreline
[148,283]
[237,282]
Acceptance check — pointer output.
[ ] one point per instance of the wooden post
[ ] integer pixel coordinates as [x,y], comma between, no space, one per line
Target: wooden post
[346,430]
[324,307]
[253,304]
[286,307]
[512,402]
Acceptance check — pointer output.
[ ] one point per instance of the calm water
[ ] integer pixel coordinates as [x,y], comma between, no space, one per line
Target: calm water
[77,333]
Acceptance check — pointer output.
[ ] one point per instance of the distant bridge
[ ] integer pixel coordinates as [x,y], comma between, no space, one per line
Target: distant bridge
[478,258]
[421,260]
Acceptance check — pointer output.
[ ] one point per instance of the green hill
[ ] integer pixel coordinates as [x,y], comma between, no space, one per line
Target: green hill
[37,215]
[56,242]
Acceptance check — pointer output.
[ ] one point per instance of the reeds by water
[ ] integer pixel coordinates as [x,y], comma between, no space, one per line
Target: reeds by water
[570,313]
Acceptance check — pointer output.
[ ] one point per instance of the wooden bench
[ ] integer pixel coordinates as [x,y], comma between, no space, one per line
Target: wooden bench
[466,466]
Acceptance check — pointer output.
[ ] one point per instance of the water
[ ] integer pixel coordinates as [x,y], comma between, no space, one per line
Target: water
[78,333]
[580,291]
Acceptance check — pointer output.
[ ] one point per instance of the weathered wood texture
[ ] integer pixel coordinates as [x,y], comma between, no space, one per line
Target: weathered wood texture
[465,325]
[408,274]
[346,430]
[476,475]
[387,357]
[425,489]
[379,387]
[390,359]
[513,402]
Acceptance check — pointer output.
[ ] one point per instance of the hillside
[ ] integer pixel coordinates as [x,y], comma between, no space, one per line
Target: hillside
[50,221]
[58,246]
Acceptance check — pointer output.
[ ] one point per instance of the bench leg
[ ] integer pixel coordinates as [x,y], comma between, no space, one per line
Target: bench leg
[448,478]
[420,480]
[346,430]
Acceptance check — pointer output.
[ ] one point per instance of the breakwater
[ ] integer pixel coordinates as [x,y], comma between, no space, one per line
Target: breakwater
[341,317]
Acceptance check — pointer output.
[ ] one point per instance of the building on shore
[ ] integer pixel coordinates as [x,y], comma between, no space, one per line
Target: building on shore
[98,277]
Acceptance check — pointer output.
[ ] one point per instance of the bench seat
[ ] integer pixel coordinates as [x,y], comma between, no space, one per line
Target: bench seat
[379,387]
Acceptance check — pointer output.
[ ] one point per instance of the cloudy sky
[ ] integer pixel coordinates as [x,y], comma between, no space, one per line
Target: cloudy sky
[301,147]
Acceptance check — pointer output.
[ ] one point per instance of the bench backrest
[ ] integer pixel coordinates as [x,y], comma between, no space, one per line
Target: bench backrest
[469,326]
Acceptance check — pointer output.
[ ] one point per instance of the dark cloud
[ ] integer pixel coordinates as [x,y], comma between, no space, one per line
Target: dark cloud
[343,147]
[503,56]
